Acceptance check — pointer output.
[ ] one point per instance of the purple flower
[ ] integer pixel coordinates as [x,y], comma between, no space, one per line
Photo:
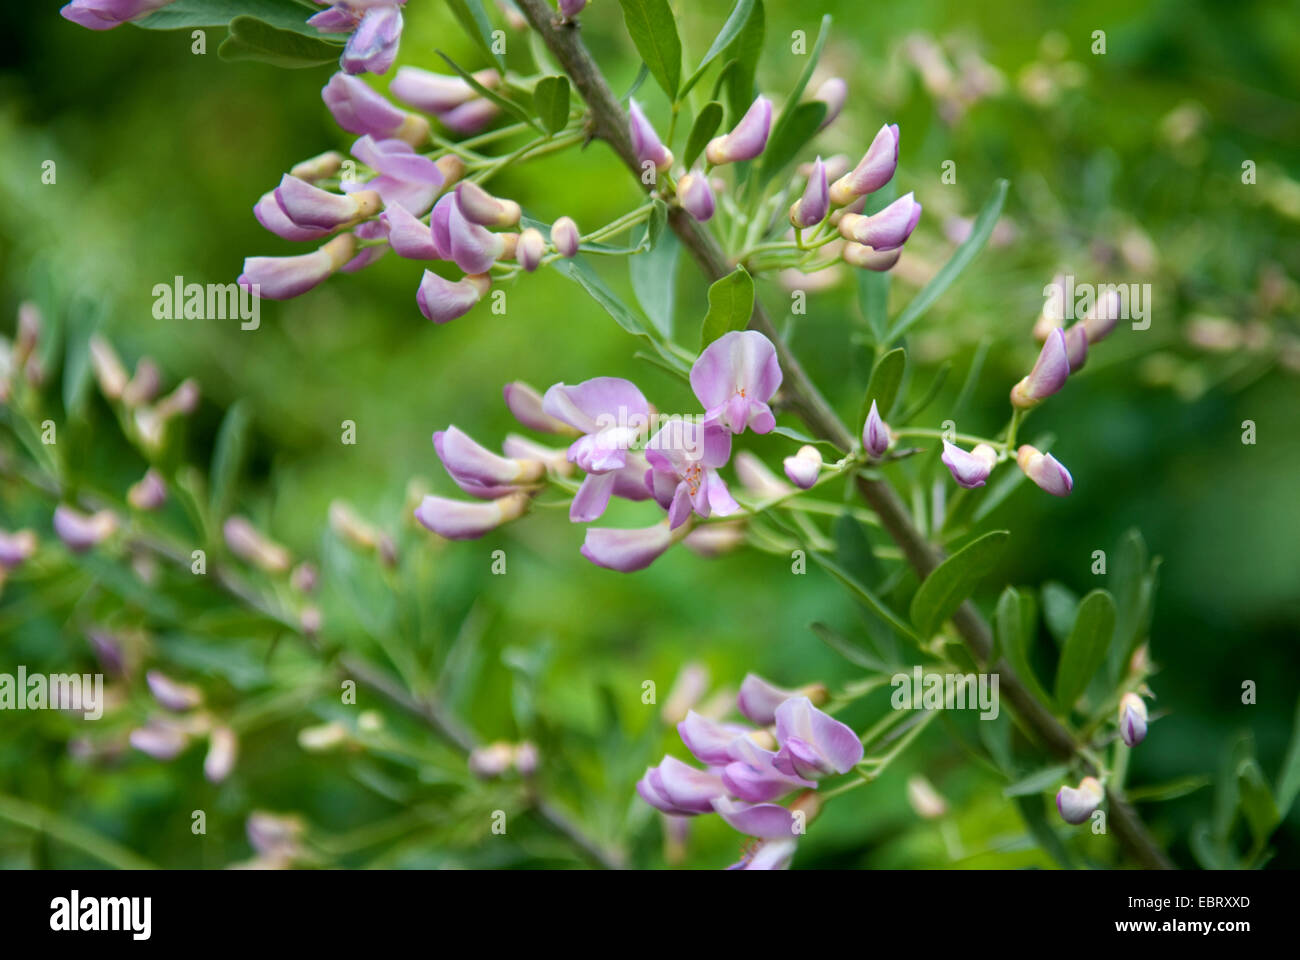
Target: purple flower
[874,170]
[875,433]
[309,206]
[470,117]
[358,109]
[769,821]
[437,93]
[756,478]
[813,744]
[754,774]
[404,177]
[811,209]
[372,48]
[833,93]
[530,249]
[1049,374]
[629,550]
[107,14]
[160,740]
[565,237]
[696,196]
[758,699]
[473,248]
[1132,719]
[767,855]
[571,8]
[271,215]
[16,547]
[460,520]
[282,278]
[525,404]
[1045,470]
[470,463]
[1076,346]
[1103,317]
[442,300]
[970,470]
[885,230]
[684,456]
[1076,804]
[148,493]
[222,750]
[79,531]
[803,467]
[611,413]
[678,788]
[645,142]
[409,236]
[709,741]
[734,378]
[177,697]
[747,139]
[249,544]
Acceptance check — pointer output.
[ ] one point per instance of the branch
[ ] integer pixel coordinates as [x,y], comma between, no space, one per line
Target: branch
[609,123]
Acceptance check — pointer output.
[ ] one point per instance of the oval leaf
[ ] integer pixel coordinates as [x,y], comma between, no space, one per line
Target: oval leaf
[702,130]
[886,378]
[551,102]
[953,580]
[1085,648]
[731,303]
[653,30]
[256,40]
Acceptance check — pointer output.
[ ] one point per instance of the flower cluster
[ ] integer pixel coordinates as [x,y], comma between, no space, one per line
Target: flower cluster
[748,768]
[375,27]
[619,452]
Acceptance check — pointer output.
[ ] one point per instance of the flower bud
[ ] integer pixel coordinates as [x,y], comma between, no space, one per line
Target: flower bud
[271,215]
[490,762]
[925,800]
[695,196]
[452,169]
[148,493]
[885,230]
[360,110]
[811,208]
[1048,375]
[1103,317]
[1132,719]
[526,758]
[470,118]
[460,520]
[182,401]
[309,206]
[247,543]
[304,577]
[833,93]
[645,142]
[159,740]
[970,470]
[16,547]
[747,139]
[435,92]
[876,437]
[803,467]
[857,255]
[479,206]
[319,167]
[223,747]
[78,531]
[442,300]
[571,8]
[469,462]
[1045,470]
[874,170]
[283,278]
[144,384]
[323,737]
[177,697]
[565,237]
[110,373]
[1076,804]
[530,248]
[525,403]
[756,478]
[473,248]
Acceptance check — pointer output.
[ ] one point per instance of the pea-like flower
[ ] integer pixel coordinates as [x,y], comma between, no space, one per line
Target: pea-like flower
[565,237]
[611,413]
[408,235]
[223,747]
[885,230]
[462,520]
[813,744]
[469,463]
[1049,374]
[876,436]
[696,196]
[107,14]
[479,206]
[271,215]
[309,206]
[252,546]
[525,404]
[372,48]
[874,170]
[1045,470]
[1076,346]
[79,531]
[358,109]
[530,249]
[755,775]
[811,208]
[684,457]
[283,278]
[747,139]
[404,177]
[629,550]
[149,492]
[1132,719]
[1076,804]
[833,92]
[442,300]
[860,255]
[734,378]
[970,470]
[803,467]
[645,142]
[438,93]
[759,698]
[15,548]
[678,788]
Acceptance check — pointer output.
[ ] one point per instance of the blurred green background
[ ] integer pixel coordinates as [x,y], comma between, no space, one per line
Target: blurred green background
[1125,166]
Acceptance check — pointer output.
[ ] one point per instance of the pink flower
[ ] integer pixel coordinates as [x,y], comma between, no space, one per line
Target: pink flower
[734,378]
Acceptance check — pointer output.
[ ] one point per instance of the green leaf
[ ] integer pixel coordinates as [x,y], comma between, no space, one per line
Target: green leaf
[931,392]
[800,437]
[1257,803]
[886,378]
[731,304]
[509,106]
[853,548]
[873,301]
[950,271]
[1060,607]
[1133,579]
[738,74]
[473,20]
[849,650]
[736,21]
[1288,778]
[654,280]
[868,599]
[1017,628]
[284,14]
[786,118]
[1085,649]
[77,368]
[256,40]
[653,29]
[787,140]
[1031,811]
[1037,782]
[702,131]
[1171,790]
[950,583]
[551,102]
[228,455]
